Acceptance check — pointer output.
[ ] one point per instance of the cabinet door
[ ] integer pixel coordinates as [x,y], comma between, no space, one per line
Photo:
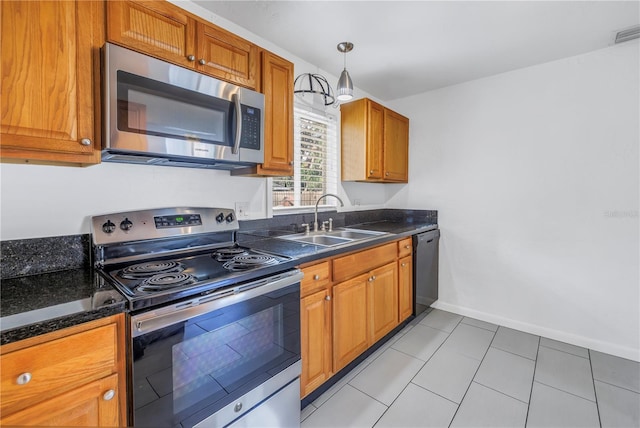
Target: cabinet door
[396,147]
[315,323]
[383,301]
[350,320]
[156,28]
[50,61]
[375,136]
[405,288]
[226,56]
[92,405]
[277,87]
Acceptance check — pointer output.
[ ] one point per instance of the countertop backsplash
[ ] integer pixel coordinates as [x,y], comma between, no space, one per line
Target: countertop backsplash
[23,257]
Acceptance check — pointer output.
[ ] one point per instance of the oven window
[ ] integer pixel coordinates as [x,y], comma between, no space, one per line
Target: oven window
[146,106]
[205,363]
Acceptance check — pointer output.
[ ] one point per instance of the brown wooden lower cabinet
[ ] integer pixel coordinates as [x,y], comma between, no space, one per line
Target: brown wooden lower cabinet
[315,319]
[405,287]
[347,304]
[85,406]
[383,301]
[350,320]
[70,377]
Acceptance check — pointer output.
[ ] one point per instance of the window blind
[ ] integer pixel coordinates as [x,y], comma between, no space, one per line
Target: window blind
[315,161]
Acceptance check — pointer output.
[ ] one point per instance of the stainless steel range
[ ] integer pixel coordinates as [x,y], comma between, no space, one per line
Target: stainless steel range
[215,327]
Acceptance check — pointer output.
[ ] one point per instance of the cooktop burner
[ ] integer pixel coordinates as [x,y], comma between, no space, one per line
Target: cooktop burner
[145,270]
[227,254]
[249,261]
[166,281]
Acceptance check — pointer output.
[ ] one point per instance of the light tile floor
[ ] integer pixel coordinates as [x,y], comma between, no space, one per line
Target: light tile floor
[445,370]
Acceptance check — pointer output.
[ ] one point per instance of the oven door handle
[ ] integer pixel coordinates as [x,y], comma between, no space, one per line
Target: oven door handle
[183,311]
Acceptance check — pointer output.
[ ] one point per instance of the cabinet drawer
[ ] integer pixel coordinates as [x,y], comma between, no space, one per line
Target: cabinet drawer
[405,247]
[315,277]
[363,261]
[56,367]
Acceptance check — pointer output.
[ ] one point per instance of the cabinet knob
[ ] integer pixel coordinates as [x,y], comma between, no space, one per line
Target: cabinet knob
[386,174]
[85,142]
[371,172]
[370,279]
[191,57]
[316,277]
[237,407]
[403,264]
[24,378]
[109,395]
[202,61]
[407,246]
[374,277]
[291,163]
[327,298]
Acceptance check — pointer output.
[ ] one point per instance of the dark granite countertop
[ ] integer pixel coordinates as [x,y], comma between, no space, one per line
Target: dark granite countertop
[38,304]
[267,240]
[43,302]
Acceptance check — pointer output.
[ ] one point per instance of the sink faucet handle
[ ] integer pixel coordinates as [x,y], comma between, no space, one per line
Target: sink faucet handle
[330,224]
[306,228]
[324,225]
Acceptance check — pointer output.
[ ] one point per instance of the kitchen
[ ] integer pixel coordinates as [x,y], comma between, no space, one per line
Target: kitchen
[560,233]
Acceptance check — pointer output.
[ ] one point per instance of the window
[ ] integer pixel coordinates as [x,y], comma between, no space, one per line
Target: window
[315,162]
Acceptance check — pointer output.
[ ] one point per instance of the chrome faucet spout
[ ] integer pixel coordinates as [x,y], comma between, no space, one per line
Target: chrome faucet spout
[315,217]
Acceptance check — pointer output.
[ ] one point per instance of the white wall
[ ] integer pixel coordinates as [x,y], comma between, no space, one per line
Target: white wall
[39,201]
[535,174]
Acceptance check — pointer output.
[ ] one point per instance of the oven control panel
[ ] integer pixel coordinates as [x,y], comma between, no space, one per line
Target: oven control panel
[160,223]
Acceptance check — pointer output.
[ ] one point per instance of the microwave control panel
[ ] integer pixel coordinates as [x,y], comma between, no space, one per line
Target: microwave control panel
[250,128]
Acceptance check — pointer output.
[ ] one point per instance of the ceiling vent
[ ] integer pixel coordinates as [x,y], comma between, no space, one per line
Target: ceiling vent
[628,34]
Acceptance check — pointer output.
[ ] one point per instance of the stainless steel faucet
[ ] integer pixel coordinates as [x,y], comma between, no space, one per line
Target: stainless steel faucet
[315,218]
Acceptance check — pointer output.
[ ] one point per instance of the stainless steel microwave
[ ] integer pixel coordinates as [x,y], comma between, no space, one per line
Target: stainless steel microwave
[159,113]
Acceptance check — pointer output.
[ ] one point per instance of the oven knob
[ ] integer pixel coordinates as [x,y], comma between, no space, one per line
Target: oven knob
[230,218]
[220,218]
[126,224]
[108,227]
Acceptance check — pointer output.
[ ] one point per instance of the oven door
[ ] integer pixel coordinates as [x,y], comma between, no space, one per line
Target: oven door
[213,360]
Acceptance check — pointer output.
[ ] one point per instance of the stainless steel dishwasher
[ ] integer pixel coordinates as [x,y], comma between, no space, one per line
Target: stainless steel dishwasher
[425,274]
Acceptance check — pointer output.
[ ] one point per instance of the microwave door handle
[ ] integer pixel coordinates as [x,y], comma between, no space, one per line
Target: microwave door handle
[236,144]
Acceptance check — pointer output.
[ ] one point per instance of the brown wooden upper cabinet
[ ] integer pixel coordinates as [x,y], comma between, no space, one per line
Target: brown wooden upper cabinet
[50,81]
[165,31]
[277,87]
[375,143]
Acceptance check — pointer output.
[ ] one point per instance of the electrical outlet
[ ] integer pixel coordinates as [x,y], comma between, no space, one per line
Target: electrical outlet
[242,210]
[357,202]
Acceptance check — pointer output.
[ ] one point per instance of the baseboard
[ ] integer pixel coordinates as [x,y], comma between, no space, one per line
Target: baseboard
[585,342]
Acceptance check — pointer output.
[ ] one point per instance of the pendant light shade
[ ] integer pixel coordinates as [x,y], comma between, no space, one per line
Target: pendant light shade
[344,90]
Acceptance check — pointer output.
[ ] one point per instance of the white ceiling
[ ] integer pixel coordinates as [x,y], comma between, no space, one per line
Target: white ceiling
[407,47]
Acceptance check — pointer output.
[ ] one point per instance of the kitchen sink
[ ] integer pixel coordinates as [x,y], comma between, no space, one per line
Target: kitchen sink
[334,238]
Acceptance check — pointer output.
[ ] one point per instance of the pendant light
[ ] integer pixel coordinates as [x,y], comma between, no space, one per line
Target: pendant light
[345,85]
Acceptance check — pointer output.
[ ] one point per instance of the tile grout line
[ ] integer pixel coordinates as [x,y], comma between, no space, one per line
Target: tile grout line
[533,380]
[567,392]
[566,352]
[616,386]
[518,355]
[501,392]
[495,333]
[435,393]
[595,392]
